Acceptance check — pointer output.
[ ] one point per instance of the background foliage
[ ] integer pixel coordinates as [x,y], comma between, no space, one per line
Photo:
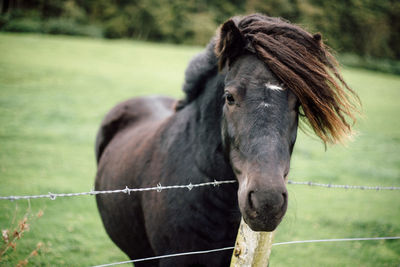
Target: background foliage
[366,28]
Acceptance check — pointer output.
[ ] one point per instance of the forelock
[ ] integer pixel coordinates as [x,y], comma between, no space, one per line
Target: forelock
[305,65]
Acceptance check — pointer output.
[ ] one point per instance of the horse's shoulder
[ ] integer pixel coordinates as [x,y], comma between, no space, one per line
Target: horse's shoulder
[129,113]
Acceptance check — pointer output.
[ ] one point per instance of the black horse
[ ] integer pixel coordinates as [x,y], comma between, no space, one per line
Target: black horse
[239,120]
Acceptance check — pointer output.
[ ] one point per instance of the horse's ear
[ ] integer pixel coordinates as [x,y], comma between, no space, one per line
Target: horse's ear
[230,43]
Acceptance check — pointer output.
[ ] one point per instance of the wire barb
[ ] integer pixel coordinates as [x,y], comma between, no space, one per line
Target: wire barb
[159,187]
[52,196]
[127,191]
[190,186]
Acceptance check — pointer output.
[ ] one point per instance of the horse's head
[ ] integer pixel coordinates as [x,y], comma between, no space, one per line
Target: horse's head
[259,128]
[260,114]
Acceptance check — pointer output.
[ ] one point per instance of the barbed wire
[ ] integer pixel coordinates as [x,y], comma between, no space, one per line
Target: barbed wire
[231,248]
[126,190]
[361,187]
[189,186]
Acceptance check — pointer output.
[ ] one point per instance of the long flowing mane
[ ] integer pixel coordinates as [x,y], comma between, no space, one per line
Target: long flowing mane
[299,59]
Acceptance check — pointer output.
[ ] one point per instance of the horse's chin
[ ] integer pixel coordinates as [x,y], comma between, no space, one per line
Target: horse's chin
[262,224]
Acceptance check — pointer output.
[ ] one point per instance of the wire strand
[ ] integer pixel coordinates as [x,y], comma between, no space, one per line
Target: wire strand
[231,248]
[361,187]
[337,240]
[189,186]
[126,190]
[167,256]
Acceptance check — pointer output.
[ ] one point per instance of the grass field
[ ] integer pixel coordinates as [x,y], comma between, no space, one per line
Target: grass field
[53,94]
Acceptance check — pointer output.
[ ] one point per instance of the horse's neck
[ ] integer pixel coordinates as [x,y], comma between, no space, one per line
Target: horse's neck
[200,122]
[196,130]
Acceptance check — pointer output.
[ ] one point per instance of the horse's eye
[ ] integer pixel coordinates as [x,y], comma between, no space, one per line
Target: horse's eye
[229,99]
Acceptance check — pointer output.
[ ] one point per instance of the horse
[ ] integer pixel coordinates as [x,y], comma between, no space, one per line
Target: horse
[244,96]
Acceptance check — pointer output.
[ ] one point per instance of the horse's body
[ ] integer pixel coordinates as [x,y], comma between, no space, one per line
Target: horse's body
[238,123]
[143,154]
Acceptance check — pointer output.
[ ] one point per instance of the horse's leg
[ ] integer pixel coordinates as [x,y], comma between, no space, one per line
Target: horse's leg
[217,259]
[170,235]
[151,263]
[123,221]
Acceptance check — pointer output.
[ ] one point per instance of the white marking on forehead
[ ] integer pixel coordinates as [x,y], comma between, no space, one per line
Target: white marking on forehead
[264,105]
[273,87]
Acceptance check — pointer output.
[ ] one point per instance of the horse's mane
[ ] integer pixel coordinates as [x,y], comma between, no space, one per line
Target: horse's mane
[202,66]
[299,59]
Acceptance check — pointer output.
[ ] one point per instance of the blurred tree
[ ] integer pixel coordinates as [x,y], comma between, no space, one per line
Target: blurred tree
[288,9]
[4,6]
[368,28]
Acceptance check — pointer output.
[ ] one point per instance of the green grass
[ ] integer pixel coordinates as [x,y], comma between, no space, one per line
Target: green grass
[54,92]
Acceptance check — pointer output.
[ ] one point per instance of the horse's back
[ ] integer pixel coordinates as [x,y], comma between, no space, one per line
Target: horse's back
[131,113]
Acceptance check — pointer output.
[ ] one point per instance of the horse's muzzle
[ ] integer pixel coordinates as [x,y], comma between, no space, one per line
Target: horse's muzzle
[264,210]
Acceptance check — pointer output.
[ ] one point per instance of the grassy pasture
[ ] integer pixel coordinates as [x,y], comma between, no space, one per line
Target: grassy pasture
[54,92]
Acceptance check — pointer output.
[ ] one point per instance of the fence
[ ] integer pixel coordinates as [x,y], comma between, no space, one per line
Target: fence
[189,186]
[215,183]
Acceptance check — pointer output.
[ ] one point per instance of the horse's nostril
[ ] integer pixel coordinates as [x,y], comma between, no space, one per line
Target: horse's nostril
[251,204]
[285,196]
[285,200]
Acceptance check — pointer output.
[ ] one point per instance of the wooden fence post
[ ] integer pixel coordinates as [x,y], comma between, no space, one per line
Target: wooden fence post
[252,249]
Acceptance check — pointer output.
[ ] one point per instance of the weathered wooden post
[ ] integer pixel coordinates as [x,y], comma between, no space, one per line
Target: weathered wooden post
[252,249]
